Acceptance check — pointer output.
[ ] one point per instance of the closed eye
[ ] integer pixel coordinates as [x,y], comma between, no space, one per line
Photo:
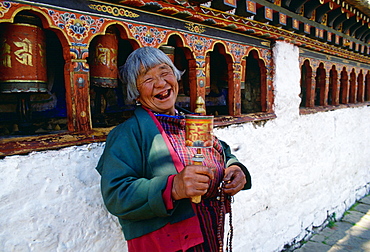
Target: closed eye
[149,80]
[165,74]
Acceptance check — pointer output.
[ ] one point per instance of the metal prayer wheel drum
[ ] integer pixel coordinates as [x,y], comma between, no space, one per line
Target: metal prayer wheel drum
[103,66]
[198,134]
[169,51]
[198,131]
[23,57]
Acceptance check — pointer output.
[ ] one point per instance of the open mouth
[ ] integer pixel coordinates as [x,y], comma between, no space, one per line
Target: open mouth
[163,95]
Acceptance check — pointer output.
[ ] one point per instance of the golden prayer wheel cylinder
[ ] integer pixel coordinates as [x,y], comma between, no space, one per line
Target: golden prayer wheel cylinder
[103,66]
[198,134]
[198,131]
[169,51]
[23,58]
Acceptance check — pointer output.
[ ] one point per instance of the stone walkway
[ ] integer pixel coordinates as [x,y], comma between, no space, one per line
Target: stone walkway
[351,234]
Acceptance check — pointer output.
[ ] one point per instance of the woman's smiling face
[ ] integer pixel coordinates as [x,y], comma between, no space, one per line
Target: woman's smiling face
[158,89]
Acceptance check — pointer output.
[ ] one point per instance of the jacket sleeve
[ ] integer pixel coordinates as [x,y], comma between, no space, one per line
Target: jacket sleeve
[127,191]
[232,160]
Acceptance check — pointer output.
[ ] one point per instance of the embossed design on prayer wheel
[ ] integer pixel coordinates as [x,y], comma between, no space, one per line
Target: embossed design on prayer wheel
[198,130]
[198,134]
[23,58]
[103,66]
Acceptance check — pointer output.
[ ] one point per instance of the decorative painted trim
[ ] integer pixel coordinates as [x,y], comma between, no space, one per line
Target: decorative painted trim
[78,56]
[76,26]
[198,44]
[4,8]
[237,50]
[148,36]
[115,11]
[195,28]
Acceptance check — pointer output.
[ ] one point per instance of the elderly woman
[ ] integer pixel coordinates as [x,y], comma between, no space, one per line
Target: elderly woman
[147,176]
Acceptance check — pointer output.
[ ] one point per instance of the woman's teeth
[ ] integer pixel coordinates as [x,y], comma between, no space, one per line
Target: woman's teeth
[163,95]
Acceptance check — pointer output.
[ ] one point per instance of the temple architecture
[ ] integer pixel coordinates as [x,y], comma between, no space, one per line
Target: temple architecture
[288,82]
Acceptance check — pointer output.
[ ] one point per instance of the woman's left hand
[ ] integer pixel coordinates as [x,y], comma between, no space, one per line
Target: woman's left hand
[234,179]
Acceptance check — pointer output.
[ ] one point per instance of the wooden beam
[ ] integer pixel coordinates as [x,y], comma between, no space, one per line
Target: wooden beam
[310,6]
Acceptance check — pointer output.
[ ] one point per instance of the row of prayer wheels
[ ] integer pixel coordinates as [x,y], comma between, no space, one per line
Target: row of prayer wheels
[23,54]
[23,66]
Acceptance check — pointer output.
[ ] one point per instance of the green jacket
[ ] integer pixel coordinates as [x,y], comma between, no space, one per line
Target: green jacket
[134,168]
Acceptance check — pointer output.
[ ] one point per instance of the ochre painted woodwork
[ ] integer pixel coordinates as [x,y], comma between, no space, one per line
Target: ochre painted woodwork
[76,30]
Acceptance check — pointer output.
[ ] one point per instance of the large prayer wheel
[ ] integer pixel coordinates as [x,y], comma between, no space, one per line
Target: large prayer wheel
[103,66]
[23,58]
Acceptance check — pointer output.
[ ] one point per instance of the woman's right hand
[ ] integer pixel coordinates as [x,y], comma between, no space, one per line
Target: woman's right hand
[192,181]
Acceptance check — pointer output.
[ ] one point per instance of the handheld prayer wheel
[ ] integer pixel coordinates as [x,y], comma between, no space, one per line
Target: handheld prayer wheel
[23,56]
[198,134]
[103,66]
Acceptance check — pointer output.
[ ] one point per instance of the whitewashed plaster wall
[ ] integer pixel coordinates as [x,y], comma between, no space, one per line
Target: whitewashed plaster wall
[50,201]
[304,168]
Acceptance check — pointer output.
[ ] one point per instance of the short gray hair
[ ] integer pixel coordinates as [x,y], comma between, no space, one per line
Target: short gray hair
[140,61]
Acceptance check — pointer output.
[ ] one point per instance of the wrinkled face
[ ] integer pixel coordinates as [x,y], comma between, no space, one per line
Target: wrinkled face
[158,89]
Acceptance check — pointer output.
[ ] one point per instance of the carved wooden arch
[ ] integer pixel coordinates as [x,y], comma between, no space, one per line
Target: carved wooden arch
[259,54]
[179,42]
[108,50]
[190,75]
[360,86]
[65,54]
[123,33]
[367,86]
[233,92]
[321,89]
[221,47]
[46,24]
[76,69]
[334,86]
[307,85]
[353,85]
[315,63]
[255,53]
[344,86]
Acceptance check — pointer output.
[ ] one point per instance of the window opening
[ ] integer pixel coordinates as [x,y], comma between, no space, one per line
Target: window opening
[107,95]
[344,86]
[182,60]
[352,87]
[251,90]
[320,90]
[333,98]
[306,82]
[217,94]
[360,87]
[32,91]
[367,86]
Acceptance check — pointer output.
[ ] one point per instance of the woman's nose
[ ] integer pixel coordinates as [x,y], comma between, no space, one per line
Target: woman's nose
[160,82]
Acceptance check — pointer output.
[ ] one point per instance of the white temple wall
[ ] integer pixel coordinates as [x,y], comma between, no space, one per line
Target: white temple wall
[304,169]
